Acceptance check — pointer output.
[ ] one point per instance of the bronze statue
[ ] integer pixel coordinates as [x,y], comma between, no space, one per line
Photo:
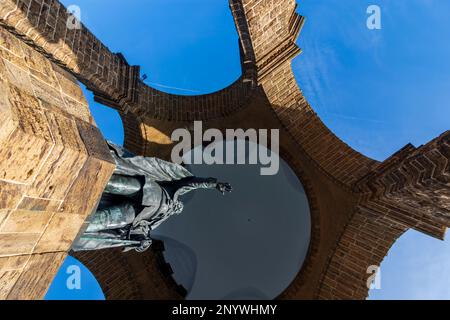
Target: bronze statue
[142,194]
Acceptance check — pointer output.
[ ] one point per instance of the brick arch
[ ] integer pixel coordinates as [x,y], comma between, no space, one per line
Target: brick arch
[373,225]
[299,287]
[391,202]
[266,51]
[159,105]
[158,272]
[114,82]
[149,102]
[365,242]
[164,106]
[112,271]
[131,276]
[134,137]
[274,46]
[342,163]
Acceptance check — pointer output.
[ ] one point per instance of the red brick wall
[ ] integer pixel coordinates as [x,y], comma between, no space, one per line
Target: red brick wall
[414,186]
[128,276]
[331,154]
[411,189]
[365,242]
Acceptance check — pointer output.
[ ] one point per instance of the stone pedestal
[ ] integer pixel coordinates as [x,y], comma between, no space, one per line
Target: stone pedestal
[54,164]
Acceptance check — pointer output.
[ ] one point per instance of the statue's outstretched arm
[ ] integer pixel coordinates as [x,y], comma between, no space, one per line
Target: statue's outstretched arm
[193,183]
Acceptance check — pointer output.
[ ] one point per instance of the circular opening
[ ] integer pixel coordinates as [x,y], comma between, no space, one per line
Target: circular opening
[249,244]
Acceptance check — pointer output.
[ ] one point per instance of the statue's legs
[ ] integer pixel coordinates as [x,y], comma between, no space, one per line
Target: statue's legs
[113,217]
[123,186]
[117,208]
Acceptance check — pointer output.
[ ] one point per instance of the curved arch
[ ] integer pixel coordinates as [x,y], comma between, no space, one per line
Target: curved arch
[131,276]
[134,137]
[303,284]
[148,276]
[294,248]
[274,48]
[411,268]
[342,163]
[266,51]
[165,106]
[364,242]
[116,83]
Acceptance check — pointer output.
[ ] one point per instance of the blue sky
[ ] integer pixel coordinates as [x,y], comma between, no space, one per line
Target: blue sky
[376,89]
[86,289]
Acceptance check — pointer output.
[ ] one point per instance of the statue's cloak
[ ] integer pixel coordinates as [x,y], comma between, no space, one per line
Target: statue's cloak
[151,169]
[154,206]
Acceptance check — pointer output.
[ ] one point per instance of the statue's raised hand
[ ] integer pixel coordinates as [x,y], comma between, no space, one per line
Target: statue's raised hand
[224,187]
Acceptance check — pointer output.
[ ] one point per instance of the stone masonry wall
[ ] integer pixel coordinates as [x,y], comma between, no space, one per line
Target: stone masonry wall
[44,25]
[54,164]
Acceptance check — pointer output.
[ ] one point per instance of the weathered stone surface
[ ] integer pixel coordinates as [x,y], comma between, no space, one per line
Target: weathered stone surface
[33,283]
[8,279]
[26,148]
[46,158]
[3,215]
[17,243]
[58,173]
[93,140]
[26,221]
[18,77]
[13,263]
[22,156]
[39,66]
[39,204]
[60,233]
[10,43]
[10,270]
[28,114]
[7,125]
[76,108]
[47,92]
[10,194]
[91,180]
[69,85]
[11,49]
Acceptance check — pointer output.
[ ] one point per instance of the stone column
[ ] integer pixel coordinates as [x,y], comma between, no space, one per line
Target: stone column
[54,164]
